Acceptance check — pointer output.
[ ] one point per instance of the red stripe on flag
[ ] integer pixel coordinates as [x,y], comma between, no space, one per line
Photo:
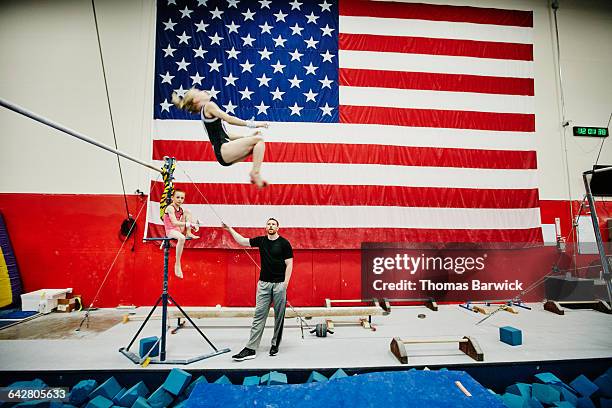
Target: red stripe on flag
[436,46]
[351,238]
[343,195]
[435,82]
[460,14]
[515,122]
[360,154]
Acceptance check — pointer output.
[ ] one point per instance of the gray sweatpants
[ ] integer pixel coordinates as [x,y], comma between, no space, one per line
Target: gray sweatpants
[267,293]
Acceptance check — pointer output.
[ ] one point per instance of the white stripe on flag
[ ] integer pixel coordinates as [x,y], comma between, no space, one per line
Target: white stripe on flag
[301,132]
[361,216]
[435,29]
[420,99]
[441,64]
[358,174]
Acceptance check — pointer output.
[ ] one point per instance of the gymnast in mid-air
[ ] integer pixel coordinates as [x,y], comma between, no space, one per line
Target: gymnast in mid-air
[229,148]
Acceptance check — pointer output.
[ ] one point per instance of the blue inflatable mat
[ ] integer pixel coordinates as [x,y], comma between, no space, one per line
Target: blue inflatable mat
[385,389]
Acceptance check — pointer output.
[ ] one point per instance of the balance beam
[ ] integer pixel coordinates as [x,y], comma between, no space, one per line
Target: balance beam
[305,312]
[466,344]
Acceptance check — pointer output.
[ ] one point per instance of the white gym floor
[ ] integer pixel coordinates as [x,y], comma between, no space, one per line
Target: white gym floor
[50,342]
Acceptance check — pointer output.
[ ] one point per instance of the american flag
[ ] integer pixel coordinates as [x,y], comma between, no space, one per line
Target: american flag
[391,122]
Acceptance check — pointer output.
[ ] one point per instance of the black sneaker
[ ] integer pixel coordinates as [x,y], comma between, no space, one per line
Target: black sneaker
[245,354]
[273,350]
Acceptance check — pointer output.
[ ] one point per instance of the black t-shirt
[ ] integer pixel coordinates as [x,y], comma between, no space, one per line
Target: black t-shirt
[273,254]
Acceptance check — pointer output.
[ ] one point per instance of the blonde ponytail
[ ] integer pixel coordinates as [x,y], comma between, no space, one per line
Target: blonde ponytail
[176,101]
[187,102]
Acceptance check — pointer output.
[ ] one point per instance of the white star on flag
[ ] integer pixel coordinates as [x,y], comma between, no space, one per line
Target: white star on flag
[216,39]
[262,109]
[295,82]
[278,67]
[166,78]
[263,80]
[265,3]
[295,5]
[168,52]
[196,79]
[327,110]
[327,56]
[265,28]
[233,28]
[199,52]
[280,16]
[327,30]
[265,54]
[233,53]
[216,13]
[312,18]
[248,40]
[246,94]
[230,80]
[246,66]
[186,12]
[214,66]
[165,105]
[295,109]
[201,26]
[229,108]
[248,15]
[277,94]
[310,69]
[311,43]
[325,6]
[183,38]
[183,65]
[169,25]
[310,96]
[326,83]
[295,55]
[296,29]
[279,41]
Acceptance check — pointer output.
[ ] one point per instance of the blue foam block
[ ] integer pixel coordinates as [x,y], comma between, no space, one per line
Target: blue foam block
[605,403]
[176,381]
[372,390]
[160,398]
[604,383]
[548,378]
[29,385]
[251,380]
[141,402]
[584,386]
[544,393]
[180,404]
[223,380]
[67,406]
[274,378]
[39,404]
[119,395]
[338,374]
[513,400]
[108,389]
[585,403]
[568,396]
[130,396]
[81,391]
[191,386]
[99,402]
[532,403]
[521,389]
[316,376]
[146,344]
[511,335]
[563,404]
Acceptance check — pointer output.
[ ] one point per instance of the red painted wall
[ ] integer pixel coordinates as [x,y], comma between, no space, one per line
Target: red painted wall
[72,240]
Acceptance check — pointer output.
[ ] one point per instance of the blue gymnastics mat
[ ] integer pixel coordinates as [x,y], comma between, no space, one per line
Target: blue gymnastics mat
[384,389]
